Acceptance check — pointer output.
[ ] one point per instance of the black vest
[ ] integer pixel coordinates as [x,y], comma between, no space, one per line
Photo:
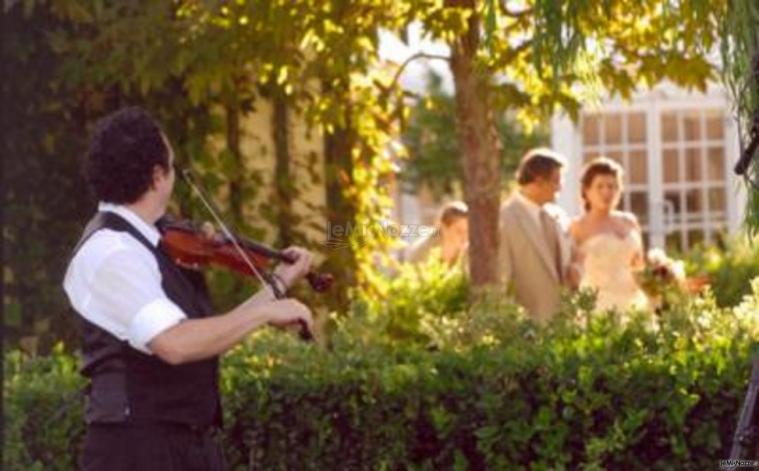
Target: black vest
[127,385]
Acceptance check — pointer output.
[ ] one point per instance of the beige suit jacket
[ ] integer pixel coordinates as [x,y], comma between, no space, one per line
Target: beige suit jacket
[525,261]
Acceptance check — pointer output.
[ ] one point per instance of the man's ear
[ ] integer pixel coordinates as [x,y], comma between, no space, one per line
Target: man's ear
[158,172]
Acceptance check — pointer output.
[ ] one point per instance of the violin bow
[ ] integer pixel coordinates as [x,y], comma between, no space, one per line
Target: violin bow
[264,278]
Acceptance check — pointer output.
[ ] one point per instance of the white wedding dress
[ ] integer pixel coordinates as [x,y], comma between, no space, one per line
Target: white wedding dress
[607,268]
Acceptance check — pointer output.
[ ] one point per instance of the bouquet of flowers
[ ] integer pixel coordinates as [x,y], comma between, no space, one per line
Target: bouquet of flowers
[663,278]
[664,282]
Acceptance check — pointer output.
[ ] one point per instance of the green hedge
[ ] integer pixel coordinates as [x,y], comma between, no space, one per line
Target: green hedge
[479,387]
[602,397]
[44,415]
[728,268]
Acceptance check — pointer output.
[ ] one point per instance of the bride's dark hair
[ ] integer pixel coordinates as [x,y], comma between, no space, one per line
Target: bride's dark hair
[596,167]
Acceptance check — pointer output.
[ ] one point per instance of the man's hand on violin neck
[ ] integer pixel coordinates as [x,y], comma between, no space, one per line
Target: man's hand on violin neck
[286,312]
[289,273]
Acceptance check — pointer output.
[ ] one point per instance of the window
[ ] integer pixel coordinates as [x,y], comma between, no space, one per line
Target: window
[622,137]
[686,195]
[693,159]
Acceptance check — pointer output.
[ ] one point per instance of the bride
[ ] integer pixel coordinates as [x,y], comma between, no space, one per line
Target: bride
[608,243]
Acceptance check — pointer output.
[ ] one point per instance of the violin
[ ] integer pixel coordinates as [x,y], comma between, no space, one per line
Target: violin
[189,244]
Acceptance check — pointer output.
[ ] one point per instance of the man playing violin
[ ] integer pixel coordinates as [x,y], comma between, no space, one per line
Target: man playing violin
[151,342]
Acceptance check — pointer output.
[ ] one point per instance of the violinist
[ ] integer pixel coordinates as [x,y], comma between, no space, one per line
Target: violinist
[151,343]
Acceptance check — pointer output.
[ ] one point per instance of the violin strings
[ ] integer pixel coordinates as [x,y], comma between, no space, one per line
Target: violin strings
[189,179]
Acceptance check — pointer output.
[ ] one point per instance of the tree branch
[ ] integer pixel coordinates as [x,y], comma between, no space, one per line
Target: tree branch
[512,54]
[418,55]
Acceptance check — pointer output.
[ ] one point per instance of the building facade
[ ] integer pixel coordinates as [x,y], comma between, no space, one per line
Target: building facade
[678,149]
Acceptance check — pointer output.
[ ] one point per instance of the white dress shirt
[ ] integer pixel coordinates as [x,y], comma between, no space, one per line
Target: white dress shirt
[114,282]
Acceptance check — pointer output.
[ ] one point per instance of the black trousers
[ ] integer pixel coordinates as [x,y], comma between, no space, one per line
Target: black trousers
[148,447]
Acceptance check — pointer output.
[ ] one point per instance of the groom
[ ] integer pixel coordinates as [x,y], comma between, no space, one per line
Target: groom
[534,253]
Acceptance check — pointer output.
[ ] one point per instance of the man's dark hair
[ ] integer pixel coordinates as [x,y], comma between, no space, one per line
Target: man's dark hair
[125,147]
[452,212]
[539,163]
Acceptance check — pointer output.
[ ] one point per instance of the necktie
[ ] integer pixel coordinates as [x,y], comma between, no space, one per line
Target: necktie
[552,240]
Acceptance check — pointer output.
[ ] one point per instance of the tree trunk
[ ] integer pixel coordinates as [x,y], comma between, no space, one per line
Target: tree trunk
[480,149]
[232,111]
[337,159]
[341,212]
[283,182]
[236,174]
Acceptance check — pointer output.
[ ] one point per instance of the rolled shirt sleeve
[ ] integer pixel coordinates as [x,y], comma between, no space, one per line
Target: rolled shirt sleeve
[128,301]
[155,317]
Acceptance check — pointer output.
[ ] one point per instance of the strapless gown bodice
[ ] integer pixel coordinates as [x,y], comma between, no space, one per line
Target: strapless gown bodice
[608,269]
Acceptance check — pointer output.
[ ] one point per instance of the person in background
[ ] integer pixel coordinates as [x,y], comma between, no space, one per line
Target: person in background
[449,240]
[533,253]
[609,242]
